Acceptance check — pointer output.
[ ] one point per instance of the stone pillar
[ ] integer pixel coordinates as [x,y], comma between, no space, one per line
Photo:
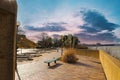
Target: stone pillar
[8,13]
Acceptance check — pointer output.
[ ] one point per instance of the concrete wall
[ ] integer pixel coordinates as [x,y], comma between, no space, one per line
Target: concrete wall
[88,52]
[8,12]
[110,65]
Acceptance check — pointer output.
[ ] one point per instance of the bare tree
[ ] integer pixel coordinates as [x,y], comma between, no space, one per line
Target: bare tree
[44,40]
[20,31]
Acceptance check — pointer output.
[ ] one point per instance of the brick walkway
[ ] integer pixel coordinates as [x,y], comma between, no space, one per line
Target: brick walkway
[87,68]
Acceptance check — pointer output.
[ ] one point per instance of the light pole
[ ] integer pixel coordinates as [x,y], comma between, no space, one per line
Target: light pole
[21,43]
[18,24]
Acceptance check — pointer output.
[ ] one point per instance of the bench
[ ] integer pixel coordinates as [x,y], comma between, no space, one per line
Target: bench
[51,60]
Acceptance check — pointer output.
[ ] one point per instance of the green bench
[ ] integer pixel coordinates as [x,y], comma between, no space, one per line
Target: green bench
[51,60]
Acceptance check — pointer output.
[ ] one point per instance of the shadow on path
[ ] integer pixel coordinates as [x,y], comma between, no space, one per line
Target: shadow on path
[83,64]
[96,62]
[55,66]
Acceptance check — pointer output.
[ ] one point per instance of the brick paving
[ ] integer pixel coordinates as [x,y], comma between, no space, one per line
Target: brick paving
[86,68]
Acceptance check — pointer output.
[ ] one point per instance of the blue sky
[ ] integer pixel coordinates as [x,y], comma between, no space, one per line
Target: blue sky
[91,21]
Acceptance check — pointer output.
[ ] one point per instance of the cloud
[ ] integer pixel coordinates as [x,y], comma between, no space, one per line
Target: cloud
[103,31]
[117,32]
[87,25]
[97,27]
[53,27]
[88,29]
[104,37]
[63,23]
[96,20]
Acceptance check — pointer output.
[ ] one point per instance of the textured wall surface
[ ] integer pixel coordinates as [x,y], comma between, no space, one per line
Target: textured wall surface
[8,11]
[88,52]
[110,65]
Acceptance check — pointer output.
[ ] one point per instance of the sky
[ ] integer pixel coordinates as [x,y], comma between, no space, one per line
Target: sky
[92,21]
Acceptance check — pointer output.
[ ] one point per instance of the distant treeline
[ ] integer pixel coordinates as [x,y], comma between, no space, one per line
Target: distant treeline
[46,41]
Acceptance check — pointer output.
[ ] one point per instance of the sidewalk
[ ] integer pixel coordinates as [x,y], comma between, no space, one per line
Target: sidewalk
[87,68]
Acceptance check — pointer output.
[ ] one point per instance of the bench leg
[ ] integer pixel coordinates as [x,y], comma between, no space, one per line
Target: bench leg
[48,64]
[55,61]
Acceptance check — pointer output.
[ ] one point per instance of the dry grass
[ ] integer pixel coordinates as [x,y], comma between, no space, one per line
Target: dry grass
[69,56]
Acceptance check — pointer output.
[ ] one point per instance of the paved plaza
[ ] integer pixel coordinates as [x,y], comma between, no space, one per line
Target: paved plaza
[86,68]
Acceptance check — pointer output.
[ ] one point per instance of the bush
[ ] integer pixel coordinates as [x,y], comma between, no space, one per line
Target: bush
[69,56]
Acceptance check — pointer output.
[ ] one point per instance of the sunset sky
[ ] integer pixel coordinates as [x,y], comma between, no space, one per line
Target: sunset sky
[92,21]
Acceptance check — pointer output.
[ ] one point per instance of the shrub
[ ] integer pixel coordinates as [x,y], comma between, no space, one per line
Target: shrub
[69,56]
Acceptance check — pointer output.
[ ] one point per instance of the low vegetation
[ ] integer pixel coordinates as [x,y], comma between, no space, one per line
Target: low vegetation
[23,42]
[69,56]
